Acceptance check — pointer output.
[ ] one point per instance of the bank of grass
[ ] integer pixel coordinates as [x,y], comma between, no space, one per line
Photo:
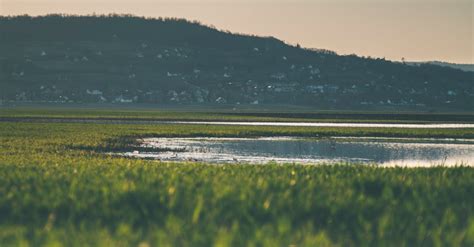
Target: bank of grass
[228,114]
[103,137]
[57,188]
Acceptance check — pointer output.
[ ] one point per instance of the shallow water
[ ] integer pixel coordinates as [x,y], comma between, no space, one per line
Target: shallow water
[338,125]
[310,151]
[247,123]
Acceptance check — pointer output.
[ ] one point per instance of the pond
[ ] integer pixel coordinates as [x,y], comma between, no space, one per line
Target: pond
[380,151]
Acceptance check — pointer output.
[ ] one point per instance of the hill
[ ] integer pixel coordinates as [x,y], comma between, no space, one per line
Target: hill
[463,67]
[127,59]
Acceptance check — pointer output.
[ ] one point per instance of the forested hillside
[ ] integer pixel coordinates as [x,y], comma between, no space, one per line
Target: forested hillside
[463,67]
[126,59]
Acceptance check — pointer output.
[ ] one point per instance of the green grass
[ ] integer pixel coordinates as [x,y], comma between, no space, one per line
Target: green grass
[56,188]
[227,114]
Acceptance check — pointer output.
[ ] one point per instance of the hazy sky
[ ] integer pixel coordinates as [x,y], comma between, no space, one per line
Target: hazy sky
[418,30]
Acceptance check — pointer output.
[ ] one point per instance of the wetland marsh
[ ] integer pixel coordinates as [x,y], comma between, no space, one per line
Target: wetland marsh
[60,187]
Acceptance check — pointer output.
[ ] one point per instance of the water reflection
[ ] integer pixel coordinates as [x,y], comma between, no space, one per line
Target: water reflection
[300,150]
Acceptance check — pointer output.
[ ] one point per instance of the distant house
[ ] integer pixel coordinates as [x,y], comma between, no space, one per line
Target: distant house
[221,100]
[315,88]
[452,93]
[94,92]
[278,76]
[122,99]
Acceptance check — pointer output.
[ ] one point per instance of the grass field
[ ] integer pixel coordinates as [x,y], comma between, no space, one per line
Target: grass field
[57,188]
[230,114]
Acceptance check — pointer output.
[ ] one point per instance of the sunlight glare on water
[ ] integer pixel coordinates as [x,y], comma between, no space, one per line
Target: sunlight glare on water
[308,151]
